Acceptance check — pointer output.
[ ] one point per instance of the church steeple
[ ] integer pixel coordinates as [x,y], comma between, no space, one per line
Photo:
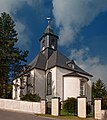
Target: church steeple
[48,29]
[48,42]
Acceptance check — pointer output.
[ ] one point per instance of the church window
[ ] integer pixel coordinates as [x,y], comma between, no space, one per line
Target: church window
[49,83]
[53,43]
[82,88]
[43,44]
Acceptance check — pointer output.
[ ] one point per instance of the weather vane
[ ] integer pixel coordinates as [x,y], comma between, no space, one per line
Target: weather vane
[49,19]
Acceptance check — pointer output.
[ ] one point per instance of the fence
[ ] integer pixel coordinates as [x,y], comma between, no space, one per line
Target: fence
[90,109]
[48,107]
[53,107]
[31,107]
[22,106]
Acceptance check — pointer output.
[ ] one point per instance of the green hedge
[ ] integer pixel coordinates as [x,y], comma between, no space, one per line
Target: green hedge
[31,97]
[70,105]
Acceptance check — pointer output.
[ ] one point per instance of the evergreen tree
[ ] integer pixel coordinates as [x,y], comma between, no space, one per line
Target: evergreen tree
[99,89]
[10,56]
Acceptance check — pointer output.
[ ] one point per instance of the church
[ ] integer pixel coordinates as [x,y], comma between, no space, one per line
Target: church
[52,74]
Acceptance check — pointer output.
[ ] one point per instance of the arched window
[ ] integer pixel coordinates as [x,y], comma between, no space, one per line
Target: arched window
[49,83]
[82,88]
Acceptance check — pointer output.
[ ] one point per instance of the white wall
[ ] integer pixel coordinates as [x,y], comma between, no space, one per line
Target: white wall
[60,82]
[57,82]
[71,87]
[22,106]
[39,82]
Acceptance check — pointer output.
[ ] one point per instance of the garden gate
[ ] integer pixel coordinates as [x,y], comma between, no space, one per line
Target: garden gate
[48,107]
[90,109]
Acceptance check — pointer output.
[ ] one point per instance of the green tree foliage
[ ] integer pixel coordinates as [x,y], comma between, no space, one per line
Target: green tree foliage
[10,56]
[31,97]
[70,105]
[99,89]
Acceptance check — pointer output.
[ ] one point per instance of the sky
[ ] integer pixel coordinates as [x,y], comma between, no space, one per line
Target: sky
[80,24]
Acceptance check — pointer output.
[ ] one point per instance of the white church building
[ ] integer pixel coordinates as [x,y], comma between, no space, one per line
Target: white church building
[52,74]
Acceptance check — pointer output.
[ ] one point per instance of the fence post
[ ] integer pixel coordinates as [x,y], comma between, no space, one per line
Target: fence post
[97,108]
[43,106]
[82,107]
[55,106]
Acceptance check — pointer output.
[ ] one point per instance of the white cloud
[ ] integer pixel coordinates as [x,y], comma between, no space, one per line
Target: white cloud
[91,64]
[11,7]
[72,15]
[23,39]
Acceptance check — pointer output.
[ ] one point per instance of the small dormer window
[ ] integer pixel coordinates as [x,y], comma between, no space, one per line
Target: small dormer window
[70,64]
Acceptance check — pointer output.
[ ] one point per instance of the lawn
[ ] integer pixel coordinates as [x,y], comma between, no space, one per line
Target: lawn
[65,117]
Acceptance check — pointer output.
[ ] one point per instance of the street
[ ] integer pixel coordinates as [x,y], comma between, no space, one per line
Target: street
[10,115]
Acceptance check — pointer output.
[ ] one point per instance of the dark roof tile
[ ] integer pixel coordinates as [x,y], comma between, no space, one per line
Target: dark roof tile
[56,59]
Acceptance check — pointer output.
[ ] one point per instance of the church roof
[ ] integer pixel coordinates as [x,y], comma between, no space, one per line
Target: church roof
[56,59]
[39,62]
[75,74]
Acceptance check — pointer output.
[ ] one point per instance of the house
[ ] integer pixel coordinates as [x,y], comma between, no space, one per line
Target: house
[52,74]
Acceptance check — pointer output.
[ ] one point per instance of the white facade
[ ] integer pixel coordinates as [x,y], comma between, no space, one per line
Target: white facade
[65,87]
[34,84]
[71,87]
[62,86]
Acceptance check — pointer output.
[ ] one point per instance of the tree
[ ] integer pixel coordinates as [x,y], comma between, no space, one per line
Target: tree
[10,56]
[99,89]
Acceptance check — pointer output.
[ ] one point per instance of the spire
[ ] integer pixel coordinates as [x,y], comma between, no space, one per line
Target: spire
[48,29]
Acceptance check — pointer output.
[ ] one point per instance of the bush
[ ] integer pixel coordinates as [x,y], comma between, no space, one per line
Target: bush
[104,103]
[70,105]
[31,97]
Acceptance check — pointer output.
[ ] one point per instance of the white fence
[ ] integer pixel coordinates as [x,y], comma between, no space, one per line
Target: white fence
[22,106]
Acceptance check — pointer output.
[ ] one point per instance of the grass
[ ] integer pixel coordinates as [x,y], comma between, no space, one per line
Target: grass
[65,117]
[64,113]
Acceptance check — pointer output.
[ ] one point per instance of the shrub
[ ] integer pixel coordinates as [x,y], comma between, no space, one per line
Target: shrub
[70,105]
[104,103]
[31,97]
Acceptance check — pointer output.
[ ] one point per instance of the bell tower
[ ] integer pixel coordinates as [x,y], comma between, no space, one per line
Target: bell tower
[48,42]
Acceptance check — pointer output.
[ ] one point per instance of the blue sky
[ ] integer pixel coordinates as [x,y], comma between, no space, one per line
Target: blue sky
[80,24]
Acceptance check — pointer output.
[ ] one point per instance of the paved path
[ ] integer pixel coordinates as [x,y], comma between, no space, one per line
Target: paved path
[10,115]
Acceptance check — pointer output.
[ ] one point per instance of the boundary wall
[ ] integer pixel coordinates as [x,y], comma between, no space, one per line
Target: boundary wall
[22,106]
